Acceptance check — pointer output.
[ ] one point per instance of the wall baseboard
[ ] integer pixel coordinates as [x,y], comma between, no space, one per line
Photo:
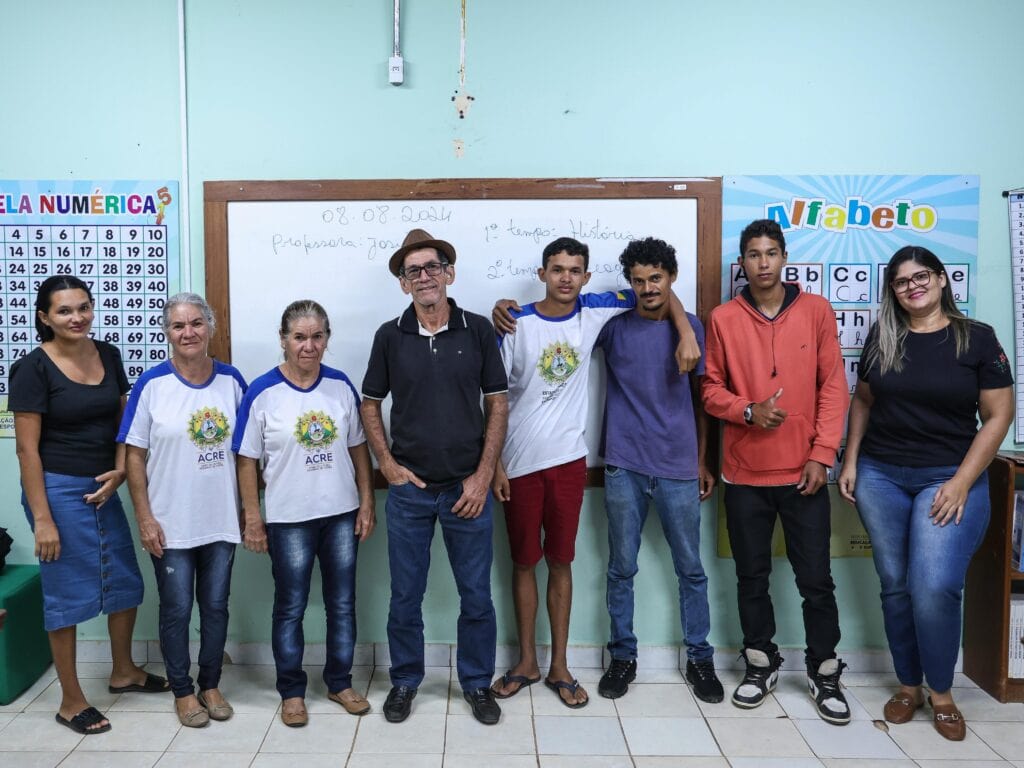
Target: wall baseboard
[650,657]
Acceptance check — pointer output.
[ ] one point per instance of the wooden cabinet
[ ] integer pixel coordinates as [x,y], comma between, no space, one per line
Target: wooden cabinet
[990,581]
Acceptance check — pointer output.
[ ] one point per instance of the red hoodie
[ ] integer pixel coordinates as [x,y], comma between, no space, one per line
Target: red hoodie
[749,358]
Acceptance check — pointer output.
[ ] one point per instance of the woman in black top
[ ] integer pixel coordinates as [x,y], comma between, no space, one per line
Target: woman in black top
[67,396]
[915,467]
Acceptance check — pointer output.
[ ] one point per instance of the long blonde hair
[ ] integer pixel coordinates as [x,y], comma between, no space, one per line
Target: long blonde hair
[886,347]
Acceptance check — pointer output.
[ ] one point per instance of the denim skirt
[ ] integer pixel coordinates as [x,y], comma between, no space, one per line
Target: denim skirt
[96,571]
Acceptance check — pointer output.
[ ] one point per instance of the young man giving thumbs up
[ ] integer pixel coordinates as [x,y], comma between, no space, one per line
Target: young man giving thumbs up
[774,376]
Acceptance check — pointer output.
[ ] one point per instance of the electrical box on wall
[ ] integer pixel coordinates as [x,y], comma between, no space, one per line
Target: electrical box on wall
[396,70]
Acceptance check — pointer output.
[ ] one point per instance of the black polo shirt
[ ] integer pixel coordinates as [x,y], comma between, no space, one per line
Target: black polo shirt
[437,420]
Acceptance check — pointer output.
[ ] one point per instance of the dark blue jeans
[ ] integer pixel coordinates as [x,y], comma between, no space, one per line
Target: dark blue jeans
[207,570]
[750,513]
[627,497]
[921,566]
[292,549]
[411,517]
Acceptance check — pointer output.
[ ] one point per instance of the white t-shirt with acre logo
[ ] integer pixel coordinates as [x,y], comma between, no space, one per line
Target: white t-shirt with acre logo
[190,469]
[302,437]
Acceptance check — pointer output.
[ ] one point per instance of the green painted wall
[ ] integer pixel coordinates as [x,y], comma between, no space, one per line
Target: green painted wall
[571,88]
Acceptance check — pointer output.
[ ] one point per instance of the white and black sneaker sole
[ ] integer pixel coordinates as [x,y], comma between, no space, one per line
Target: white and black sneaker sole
[812,691]
[770,684]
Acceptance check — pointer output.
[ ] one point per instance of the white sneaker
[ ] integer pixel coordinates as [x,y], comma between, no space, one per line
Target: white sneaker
[760,679]
[823,686]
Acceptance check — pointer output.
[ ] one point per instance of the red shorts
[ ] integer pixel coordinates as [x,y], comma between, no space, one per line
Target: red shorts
[548,499]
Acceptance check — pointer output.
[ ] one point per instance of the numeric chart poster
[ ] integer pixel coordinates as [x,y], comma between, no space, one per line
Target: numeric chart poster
[840,233]
[119,237]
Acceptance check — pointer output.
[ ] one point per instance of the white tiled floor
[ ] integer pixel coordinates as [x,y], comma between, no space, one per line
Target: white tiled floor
[658,724]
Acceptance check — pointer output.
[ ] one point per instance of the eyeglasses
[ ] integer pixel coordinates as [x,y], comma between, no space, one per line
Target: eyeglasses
[433,269]
[920,279]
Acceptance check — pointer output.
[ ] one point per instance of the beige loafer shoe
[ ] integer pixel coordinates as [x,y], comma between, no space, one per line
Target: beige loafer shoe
[354,703]
[296,718]
[197,718]
[219,712]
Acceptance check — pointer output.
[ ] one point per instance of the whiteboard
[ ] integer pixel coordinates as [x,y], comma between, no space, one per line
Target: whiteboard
[336,252]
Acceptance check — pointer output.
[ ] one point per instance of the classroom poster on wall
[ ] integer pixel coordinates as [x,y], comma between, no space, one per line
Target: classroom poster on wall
[1015,200]
[840,233]
[119,237]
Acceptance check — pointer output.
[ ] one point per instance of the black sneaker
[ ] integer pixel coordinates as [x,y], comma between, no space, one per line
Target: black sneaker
[706,685]
[615,682]
[398,704]
[485,708]
[823,687]
[760,679]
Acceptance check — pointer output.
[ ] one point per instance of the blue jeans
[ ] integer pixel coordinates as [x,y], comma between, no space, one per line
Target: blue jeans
[626,498]
[207,570]
[292,549]
[921,566]
[411,515]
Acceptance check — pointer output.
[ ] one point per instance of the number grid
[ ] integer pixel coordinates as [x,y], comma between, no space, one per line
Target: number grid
[125,267]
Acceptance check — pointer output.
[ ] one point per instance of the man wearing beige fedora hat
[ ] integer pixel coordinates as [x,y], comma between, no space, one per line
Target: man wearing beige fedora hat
[435,360]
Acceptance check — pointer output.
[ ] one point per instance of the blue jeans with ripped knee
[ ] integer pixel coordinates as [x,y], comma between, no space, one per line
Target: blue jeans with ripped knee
[205,572]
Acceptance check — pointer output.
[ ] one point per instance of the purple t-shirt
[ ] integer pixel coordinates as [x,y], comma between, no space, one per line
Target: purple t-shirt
[649,425]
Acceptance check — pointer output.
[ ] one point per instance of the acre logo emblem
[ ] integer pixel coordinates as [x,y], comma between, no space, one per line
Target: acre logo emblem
[817,213]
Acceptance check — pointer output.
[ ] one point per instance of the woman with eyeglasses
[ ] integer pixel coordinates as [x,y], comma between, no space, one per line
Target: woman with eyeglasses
[915,466]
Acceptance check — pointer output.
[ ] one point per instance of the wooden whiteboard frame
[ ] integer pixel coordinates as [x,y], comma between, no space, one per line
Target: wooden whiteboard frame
[217,194]
[706,191]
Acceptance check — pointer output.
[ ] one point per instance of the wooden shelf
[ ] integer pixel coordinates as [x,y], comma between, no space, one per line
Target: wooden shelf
[990,582]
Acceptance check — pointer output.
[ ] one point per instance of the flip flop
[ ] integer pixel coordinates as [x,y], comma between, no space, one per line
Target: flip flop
[153,684]
[508,677]
[80,723]
[559,685]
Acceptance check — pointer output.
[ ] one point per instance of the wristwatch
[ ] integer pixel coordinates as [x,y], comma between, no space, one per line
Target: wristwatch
[748,414]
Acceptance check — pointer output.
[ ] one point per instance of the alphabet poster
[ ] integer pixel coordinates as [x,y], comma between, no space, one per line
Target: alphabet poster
[119,237]
[840,233]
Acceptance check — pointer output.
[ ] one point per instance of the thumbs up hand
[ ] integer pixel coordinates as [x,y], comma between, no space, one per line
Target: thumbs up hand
[766,414]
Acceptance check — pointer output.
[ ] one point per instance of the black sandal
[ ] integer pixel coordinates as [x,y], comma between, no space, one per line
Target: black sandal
[153,684]
[81,722]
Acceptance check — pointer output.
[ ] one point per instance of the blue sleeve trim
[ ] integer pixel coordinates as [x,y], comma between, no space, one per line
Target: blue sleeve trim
[163,369]
[259,385]
[333,373]
[609,299]
[230,370]
[529,309]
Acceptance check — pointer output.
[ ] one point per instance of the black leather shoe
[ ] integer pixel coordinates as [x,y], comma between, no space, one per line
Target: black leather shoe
[706,685]
[398,704]
[615,681]
[485,708]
